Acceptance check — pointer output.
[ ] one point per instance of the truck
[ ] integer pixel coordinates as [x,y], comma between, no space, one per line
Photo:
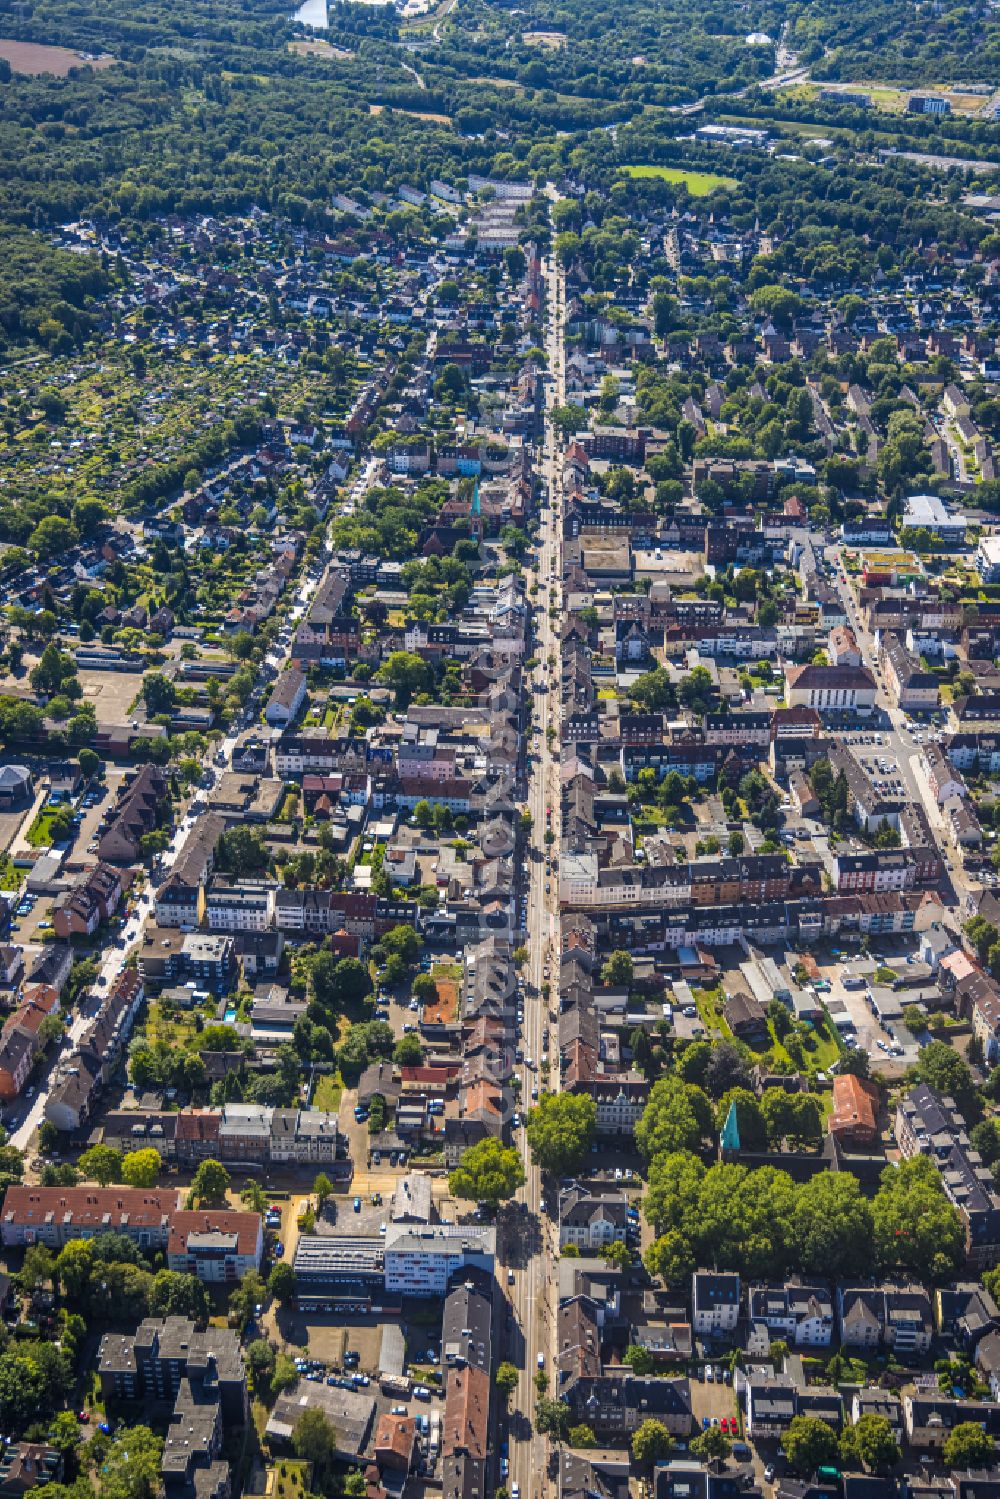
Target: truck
[435,1442]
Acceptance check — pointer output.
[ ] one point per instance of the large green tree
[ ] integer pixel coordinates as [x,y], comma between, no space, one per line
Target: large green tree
[916,1227]
[870,1444]
[141,1168]
[833,1229]
[210,1182]
[968,1446]
[101,1163]
[674,1118]
[809,1443]
[487,1173]
[131,1468]
[651,1442]
[560,1130]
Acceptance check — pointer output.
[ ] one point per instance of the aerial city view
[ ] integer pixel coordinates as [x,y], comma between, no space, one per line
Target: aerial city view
[499,749]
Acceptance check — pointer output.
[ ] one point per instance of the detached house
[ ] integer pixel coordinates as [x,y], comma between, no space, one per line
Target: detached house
[589,1221]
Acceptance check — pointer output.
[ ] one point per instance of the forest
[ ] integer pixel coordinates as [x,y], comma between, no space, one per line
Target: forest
[208,109]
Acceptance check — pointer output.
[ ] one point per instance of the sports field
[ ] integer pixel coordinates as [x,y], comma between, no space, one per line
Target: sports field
[698,184]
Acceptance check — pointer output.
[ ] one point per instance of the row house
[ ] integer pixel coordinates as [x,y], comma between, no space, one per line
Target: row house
[977,999]
[890,869]
[295,754]
[136,813]
[929,1418]
[772,1403]
[911,688]
[738,729]
[928,1123]
[82,1075]
[715,1302]
[614,1405]
[54,1215]
[180,900]
[93,900]
[245,907]
[896,1317]
[944,779]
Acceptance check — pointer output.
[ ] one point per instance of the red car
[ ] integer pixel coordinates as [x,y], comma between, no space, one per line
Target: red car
[83,1416]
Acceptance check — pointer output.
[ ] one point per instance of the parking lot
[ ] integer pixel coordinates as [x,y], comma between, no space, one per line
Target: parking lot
[850,998]
[102,795]
[713,1400]
[328,1338]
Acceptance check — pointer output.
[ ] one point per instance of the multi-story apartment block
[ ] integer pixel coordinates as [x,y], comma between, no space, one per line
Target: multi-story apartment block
[217,1246]
[246,907]
[421,1261]
[800,1314]
[715,1302]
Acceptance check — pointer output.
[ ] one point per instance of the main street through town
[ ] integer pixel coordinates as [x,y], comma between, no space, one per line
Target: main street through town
[533,1220]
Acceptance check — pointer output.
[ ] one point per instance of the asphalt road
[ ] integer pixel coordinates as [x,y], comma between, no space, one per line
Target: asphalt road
[533,1295]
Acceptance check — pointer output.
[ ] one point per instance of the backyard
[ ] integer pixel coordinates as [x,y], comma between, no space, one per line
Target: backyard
[802,1047]
[327,1093]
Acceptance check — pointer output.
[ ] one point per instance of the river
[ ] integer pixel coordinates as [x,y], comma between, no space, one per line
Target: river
[313,13]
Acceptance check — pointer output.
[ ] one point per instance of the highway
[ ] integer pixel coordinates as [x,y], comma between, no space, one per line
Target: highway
[531,1229]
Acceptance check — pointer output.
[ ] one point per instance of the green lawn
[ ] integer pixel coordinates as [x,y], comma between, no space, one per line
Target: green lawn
[820,1052]
[326,1098]
[698,184]
[40,833]
[177,1028]
[710,1002]
[288,1479]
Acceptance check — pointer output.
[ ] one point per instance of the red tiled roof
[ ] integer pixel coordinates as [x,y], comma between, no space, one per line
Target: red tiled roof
[246,1227]
[90,1206]
[198,1124]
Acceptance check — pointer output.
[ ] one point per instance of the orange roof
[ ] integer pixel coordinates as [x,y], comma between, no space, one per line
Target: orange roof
[43,995]
[855,1105]
[466,1412]
[198,1124]
[396,1434]
[95,1208]
[246,1227]
[482,1096]
[958,965]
